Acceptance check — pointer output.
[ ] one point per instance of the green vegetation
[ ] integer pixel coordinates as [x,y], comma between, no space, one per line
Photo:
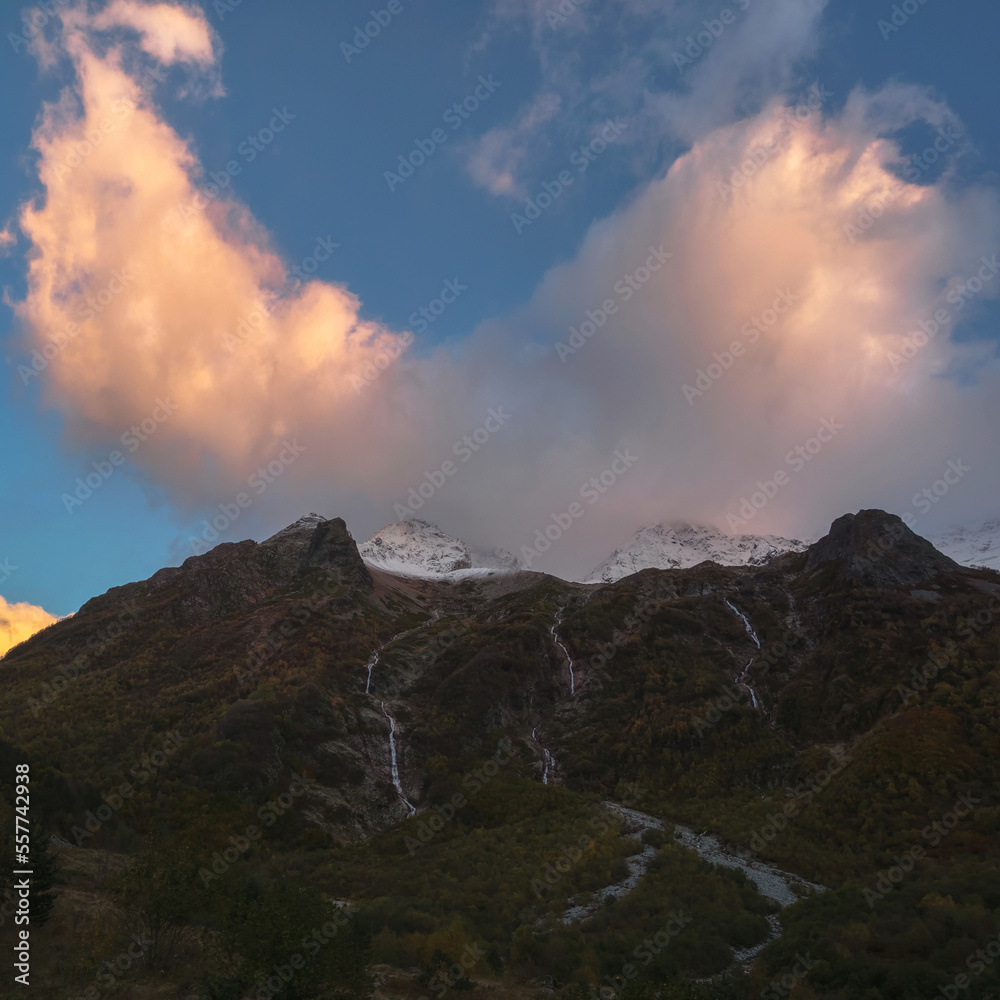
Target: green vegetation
[194,722]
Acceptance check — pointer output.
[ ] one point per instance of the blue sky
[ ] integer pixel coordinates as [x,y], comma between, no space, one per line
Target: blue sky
[555,82]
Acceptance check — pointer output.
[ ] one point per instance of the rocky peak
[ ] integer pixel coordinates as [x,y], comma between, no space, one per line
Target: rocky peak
[235,575]
[331,547]
[876,549]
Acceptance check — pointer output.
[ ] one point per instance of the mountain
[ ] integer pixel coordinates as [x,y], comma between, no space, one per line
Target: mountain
[235,576]
[419,548]
[875,549]
[518,779]
[979,546]
[679,546]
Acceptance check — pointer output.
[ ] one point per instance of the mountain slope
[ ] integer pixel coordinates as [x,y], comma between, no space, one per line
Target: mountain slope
[874,670]
[680,546]
[972,546]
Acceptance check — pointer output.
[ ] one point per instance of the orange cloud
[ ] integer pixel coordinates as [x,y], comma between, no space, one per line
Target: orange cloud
[141,289]
[168,32]
[19,622]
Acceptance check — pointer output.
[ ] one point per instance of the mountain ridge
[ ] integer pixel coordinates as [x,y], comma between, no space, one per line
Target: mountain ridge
[680,545]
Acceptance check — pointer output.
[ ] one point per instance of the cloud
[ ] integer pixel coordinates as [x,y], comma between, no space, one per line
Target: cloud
[600,58]
[169,32]
[143,291]
[7,241]
[783,230]
[760,218]
[19,622]
[495,158]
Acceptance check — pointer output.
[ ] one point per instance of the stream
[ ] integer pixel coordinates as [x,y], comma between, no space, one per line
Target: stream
[742,679]
[373,662]
[782,887]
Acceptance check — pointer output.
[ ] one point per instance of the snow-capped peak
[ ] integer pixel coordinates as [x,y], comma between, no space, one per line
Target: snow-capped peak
[979,547]
[418,548]
[678,546]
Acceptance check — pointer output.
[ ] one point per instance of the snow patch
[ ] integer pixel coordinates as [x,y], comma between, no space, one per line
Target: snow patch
[973,547]
[680,546]
[421,549]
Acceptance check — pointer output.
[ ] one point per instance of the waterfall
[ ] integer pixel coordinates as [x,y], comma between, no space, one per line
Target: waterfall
[395,765]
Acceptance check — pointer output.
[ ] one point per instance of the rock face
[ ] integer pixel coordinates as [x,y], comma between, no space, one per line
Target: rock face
[680,546]
[236,575]
[876,549]
[332,548]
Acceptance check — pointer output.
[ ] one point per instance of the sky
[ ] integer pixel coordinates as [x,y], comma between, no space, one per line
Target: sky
[534,270]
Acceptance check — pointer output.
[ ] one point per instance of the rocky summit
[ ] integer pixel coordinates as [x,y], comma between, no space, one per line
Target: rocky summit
[876,549]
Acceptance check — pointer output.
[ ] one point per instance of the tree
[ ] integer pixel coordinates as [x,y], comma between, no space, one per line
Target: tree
[157,889]
[287,941]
